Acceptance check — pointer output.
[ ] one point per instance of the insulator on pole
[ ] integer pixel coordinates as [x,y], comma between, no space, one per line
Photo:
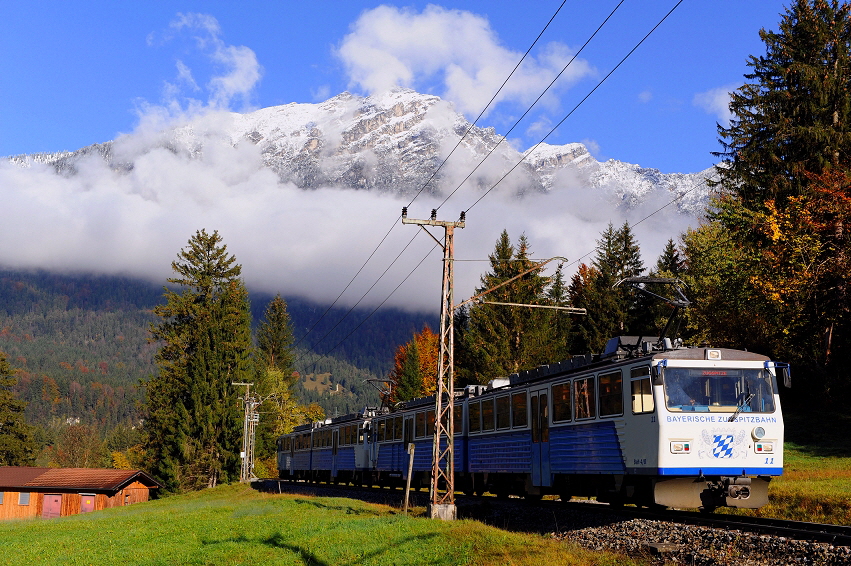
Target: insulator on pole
[404,212]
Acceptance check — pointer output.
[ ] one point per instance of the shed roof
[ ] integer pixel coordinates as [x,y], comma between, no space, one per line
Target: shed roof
[94,479]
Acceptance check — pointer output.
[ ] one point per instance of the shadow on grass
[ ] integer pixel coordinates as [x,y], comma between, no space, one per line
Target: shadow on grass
[347,508]
[278,540]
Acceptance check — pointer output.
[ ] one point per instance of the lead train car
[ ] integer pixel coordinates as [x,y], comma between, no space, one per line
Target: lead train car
[685,427]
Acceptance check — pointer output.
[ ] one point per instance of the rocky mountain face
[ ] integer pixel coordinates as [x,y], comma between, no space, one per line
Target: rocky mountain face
[395,142]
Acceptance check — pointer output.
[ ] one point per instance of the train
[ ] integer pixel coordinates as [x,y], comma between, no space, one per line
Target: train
[646,422]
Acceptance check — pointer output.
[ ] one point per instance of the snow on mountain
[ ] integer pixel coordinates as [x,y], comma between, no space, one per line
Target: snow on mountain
[396,143]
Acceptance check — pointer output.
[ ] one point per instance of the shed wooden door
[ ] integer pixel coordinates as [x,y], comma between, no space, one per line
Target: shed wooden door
[52,506]
[87,502]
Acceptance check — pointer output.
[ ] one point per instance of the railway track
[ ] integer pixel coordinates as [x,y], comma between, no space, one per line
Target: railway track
[549,516]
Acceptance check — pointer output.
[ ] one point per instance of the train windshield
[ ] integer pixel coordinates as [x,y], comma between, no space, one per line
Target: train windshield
[724,390]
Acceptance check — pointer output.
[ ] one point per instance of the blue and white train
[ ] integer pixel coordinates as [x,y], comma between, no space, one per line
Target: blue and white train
[653,426]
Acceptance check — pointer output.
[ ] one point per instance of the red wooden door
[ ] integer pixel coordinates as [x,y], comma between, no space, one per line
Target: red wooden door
[52,506]
[87,502]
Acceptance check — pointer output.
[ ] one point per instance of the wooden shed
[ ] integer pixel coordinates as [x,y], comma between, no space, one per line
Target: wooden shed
[59,492]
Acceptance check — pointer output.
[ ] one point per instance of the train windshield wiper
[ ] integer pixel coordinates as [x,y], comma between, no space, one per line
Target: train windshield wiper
[744,402]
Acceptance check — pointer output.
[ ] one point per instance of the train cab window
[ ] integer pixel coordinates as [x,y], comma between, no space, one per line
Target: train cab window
[458,419]
[474,417]
[487,415]
[397,428]
[421,428]
[503,412]
[610,389]
[430,423]
[642,391]
[519,411]
[584,400]
[361,434]
[382,426]
[561,402]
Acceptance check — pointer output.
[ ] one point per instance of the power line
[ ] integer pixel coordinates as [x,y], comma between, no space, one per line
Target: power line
[529,109]
[469,129]
[524,157]
[554,128]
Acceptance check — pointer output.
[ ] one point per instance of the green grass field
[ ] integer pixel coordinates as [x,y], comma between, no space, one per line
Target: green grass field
[816,481]
[237,525]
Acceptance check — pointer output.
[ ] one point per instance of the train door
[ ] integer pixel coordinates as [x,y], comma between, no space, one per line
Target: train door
[335,440]
[407,441]
[540,438]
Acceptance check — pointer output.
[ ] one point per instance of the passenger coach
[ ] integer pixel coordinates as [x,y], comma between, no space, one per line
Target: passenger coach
[644,424]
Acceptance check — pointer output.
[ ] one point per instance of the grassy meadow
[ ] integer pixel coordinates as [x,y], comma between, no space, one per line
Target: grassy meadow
[236,525]
[816,481]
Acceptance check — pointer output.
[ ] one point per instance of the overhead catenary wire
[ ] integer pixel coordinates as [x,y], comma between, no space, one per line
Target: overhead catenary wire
[469,129]
[554,128]
[643,39]
[529,109]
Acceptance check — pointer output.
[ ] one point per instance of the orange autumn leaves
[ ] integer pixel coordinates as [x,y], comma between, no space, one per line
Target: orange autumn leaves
[415,366]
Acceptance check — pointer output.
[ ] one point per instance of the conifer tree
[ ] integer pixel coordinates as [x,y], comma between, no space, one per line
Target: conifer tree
[500,340]
[17,447]
[193,432]
[780,217]
[793,116]
[611,311]
[275,337]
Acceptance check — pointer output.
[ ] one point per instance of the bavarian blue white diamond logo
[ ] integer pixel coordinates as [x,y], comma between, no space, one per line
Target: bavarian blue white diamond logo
[722,445]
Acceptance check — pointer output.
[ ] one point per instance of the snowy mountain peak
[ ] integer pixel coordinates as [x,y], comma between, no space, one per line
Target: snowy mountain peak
[392,142]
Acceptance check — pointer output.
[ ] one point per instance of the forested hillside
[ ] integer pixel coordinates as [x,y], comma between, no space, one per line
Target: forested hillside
[80,343]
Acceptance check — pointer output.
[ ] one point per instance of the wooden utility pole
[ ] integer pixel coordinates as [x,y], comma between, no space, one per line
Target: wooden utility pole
[443,448]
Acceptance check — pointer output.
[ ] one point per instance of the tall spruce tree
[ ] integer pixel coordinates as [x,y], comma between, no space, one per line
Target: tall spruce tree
[793,116]
[275,378]
[612,310]
[499,340]
[193,426]
[783,214]
[17,447]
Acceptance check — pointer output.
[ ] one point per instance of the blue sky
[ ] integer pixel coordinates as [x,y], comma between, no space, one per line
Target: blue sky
[76,73]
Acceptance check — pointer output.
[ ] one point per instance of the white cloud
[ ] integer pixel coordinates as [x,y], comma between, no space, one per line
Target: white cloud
[593,148]
[456,49]
[237,71]
[645,96]
[716,101]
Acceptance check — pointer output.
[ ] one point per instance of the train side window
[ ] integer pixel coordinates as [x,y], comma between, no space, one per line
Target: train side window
[561,402]
[475,417]
[503,412]
[642,392]
[610,389]
[487,415]
[584,400]
[458,419]
[519,412]
[361,434]
[397,428]
[430,423]
[421,428]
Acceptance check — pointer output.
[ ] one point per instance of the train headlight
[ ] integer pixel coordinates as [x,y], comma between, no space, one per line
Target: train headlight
[758,433]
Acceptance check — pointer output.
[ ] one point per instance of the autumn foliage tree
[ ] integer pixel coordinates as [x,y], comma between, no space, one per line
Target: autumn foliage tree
[414,372]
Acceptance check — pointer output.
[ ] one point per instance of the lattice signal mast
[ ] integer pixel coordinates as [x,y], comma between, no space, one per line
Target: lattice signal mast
[442,506]
[249,426]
